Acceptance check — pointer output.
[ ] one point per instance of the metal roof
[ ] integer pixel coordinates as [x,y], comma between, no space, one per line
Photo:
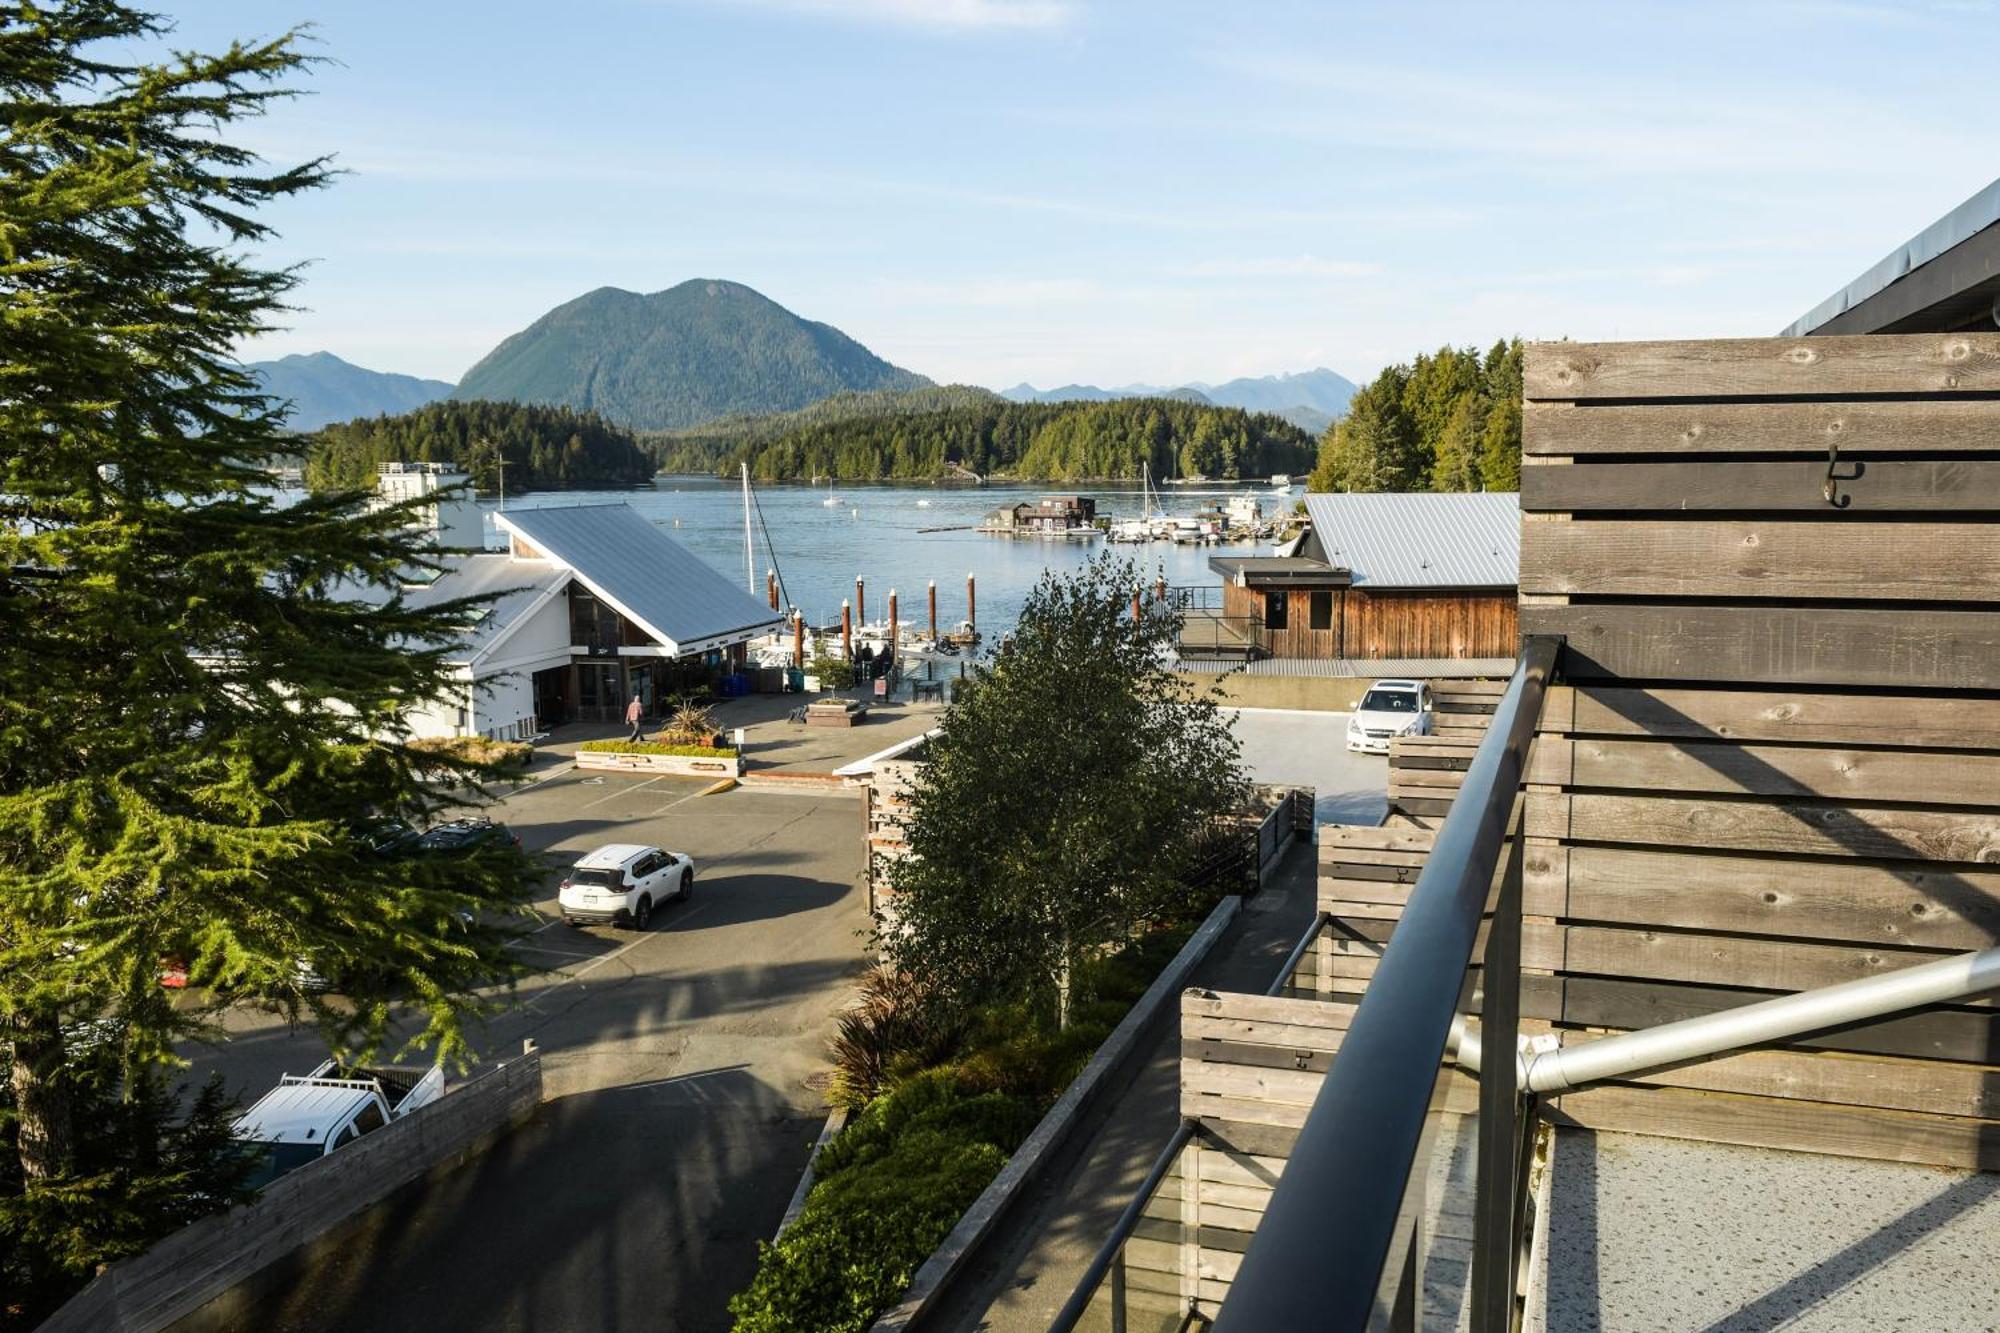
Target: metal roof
[651,579]
[1420,539]
[1962,224]
[1258,570]
[519,583]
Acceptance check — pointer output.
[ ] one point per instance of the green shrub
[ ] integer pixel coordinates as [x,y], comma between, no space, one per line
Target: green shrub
[835,673]
[660,747]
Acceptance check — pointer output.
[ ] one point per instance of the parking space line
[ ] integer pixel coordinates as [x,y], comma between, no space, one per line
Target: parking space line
[583,972]
[624,791]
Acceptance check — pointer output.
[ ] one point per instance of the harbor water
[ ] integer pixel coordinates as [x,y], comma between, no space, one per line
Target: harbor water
[878,531]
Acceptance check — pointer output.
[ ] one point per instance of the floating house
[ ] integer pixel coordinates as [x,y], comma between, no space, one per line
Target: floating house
[1049,516]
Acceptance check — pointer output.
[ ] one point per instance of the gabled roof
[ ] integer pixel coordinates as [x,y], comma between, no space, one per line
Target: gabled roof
[651,579]
[521,585]
[1420,539]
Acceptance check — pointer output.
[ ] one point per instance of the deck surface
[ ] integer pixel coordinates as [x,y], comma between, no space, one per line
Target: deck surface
[1651,1235]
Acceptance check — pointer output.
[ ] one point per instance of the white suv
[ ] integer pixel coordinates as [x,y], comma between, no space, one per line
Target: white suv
[622,883]
[1391,708]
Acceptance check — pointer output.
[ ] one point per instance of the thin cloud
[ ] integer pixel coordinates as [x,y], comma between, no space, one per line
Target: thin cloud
[1302,266]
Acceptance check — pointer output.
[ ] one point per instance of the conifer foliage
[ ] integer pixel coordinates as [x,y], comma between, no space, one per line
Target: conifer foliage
[197,717]
[1449,421]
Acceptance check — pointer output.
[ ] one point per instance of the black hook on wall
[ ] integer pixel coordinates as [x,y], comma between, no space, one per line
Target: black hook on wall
[1830,487]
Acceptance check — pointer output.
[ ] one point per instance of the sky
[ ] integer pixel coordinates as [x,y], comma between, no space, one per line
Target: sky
[992,191]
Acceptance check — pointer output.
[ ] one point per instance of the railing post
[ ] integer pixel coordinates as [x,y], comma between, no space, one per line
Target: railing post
[1494,1251]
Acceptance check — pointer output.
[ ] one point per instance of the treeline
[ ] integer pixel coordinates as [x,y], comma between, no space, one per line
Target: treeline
[544,448]
[1450,421]
[1068,441]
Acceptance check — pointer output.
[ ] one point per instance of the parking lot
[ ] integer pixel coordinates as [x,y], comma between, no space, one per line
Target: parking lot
[680,1065]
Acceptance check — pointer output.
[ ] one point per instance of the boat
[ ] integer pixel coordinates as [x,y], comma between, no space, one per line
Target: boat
[1152,522]
[831,499]
[923,504]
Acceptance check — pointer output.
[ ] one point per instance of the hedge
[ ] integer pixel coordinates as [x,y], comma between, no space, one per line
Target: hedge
[661,747]
[889,1188]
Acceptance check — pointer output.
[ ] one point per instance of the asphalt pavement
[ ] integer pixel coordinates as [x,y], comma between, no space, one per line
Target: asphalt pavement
[682,1066]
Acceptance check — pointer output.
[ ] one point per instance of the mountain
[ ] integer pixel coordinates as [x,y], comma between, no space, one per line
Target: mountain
[689,354]
[323,389]
[1322,393]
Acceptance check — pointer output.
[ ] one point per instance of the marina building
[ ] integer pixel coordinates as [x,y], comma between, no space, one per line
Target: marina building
[592,605]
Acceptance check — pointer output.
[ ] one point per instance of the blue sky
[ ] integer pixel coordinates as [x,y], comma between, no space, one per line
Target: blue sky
[996,190]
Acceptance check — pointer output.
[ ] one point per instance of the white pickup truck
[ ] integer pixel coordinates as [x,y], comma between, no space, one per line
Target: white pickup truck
[308,1116]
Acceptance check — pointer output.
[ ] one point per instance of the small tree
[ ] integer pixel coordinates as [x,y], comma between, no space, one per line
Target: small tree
[1057,804]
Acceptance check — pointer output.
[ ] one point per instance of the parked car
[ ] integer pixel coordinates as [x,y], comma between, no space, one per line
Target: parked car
[622,883]
[308,1116]
[1389,709]
[462,835]
[387,837]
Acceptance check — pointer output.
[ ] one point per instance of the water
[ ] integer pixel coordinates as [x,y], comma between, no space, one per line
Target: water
[874,533]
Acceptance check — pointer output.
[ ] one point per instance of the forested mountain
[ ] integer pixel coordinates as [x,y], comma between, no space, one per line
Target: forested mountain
[1449,421]
[322,388]
[701,350]
[1030,441]
[1322,393]
[544,448]
[712,439]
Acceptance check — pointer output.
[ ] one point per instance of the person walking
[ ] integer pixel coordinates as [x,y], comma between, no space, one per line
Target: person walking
[633,712]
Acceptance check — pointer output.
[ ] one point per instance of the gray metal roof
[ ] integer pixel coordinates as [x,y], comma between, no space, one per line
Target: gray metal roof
[1420,539]
[1274,569]
[654,581]
[1970,218]
[519,583]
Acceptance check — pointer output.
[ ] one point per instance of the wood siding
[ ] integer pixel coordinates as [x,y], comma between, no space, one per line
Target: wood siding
[1773,762]
[1446,623]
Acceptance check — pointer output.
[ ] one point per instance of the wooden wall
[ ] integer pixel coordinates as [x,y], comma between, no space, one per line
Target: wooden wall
[1774,763]
[1385,624]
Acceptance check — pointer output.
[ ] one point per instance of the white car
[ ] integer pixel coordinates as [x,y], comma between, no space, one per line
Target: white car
[1391,708]
[622,884]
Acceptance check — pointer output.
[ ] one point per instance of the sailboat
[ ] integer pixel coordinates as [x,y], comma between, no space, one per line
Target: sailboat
[1152,521]
[831,499]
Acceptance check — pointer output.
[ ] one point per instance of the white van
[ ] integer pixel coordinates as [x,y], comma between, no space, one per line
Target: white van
[622,883]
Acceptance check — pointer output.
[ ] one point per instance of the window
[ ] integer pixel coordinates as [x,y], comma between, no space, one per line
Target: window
[609,879]
[1274,610]
[1322,609]
[645,866]
[342,1139]
[1389,701]
[369,1120]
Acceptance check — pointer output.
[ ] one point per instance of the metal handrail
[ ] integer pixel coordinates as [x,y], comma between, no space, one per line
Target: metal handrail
[1317,1258]
[1078,1303]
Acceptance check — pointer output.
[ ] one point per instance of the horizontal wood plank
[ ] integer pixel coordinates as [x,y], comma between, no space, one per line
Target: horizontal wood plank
[1964,1035]
[1720,430]
[1763,1122]
[1872,486]
[1919,363]
[1715,960]
[1859,901]
[1939,777]
[1736,558]
[1936,1087]
[1892,648]
[1776,715]
[1793,827]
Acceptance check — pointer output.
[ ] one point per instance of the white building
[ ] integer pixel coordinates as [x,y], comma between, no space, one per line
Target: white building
[593,604]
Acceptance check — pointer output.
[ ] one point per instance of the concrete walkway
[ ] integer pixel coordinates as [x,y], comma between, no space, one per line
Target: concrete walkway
[1025,1273]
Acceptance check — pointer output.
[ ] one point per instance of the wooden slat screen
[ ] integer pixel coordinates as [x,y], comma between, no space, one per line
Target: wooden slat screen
[1774,762]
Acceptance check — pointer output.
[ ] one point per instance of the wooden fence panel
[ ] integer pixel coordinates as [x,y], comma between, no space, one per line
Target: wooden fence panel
[1771,761]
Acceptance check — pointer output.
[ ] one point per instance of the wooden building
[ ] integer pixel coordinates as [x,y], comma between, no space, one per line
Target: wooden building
[1050,515]
[1384,576]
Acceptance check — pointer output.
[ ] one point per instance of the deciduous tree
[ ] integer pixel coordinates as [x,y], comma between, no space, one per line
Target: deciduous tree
[1057,806]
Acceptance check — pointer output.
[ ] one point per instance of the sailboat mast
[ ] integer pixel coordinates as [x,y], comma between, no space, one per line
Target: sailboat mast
[749,555]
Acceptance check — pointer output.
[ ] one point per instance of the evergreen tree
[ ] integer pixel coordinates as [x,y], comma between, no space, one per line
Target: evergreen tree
[1450,421]
[194,721]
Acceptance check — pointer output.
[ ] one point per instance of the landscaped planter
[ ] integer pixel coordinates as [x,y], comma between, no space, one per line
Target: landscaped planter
[723,765]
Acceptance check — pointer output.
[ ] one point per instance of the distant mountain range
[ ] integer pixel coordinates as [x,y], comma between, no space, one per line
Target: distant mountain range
[1311,399]
[692,353]
[323,389]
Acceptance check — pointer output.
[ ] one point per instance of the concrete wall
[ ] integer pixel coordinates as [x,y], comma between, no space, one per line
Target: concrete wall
[1333,694]
[210,1275]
